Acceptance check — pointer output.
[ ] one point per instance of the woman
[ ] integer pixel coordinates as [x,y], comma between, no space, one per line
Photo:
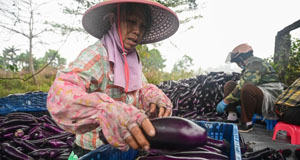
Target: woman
[104,88]
[256,91]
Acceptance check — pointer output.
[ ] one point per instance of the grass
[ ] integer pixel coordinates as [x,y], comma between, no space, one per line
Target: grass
[13,86]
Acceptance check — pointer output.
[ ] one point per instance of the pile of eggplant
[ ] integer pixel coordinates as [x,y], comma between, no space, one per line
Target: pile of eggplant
[179,138]
[26,137]
[197,97]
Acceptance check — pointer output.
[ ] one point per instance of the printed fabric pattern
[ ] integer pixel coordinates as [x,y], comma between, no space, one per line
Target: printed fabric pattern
[83,98]
[291,96]
[257,72]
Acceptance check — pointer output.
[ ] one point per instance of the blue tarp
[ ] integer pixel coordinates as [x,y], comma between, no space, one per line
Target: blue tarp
[27,102]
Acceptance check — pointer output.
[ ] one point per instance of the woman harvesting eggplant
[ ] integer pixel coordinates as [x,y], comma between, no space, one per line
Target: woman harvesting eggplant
[256,91]
[104,88]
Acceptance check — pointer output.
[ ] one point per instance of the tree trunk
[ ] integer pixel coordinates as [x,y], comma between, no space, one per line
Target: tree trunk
[30,48]
[31,67]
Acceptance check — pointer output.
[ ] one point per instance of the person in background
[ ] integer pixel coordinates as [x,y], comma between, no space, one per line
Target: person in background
[255,92]
[104,89]
[287,104]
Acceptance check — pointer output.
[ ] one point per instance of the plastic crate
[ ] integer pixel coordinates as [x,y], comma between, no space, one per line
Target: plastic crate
[107,152]
[270,123]
[227,131]
[32,102]
[216,130]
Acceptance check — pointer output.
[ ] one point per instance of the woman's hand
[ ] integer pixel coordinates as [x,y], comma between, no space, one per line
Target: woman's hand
[137,140]
[154,111]
[122,126]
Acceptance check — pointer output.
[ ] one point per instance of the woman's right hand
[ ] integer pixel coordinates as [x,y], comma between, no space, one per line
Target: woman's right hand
[137,139]
[122,126]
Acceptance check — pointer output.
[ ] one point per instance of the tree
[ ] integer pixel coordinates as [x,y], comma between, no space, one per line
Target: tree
[153,63]
[9,58]
[181,68]
[53,57]
[151,60]
[21,18]
[292,69]
[183,64]
[22,60]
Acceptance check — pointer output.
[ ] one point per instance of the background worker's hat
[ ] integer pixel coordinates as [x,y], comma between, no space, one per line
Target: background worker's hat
[164,22]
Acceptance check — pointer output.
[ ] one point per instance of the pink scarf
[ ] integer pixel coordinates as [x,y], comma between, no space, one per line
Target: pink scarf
[112,43]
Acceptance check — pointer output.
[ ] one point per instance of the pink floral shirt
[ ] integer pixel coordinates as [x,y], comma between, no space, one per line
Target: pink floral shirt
[83,99]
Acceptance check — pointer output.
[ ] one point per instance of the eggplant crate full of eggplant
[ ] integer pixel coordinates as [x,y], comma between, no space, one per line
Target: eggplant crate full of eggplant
[196,98]
[179,138]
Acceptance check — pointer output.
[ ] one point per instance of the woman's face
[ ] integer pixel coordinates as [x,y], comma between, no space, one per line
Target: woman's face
[133,25]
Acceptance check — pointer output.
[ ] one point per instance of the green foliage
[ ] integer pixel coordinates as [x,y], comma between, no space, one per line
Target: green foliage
[45,80]
[292,72]
[19,68]
[53,57]
[11,60]
[151,59]
[153,63]
[181,68]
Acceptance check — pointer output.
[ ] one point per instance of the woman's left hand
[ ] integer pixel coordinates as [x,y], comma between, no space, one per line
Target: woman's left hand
[162,111]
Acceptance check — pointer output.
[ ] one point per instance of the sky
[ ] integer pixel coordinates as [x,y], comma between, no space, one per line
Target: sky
[224,25]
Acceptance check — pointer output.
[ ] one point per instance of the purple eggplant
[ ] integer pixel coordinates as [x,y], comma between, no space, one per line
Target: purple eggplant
[70,141]
[39,135]
[8,135]
[26,137]
[260,154]
[176,133]
[210,148]
[33,130]
[19,114]
[205,148]
[204,154]
[12,122]
[43,141]
[63,156]
[25,144]
[47,153]
[48,119]
[14,153]
[57,143]
[13,128]
[223,145]
[53,128]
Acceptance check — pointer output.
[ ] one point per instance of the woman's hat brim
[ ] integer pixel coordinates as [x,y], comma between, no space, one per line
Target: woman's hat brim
[164,22]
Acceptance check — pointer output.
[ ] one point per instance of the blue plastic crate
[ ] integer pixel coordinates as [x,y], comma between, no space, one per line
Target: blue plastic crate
[107,152]
[26,102]
[270,123]
[216,130]
[227,131]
